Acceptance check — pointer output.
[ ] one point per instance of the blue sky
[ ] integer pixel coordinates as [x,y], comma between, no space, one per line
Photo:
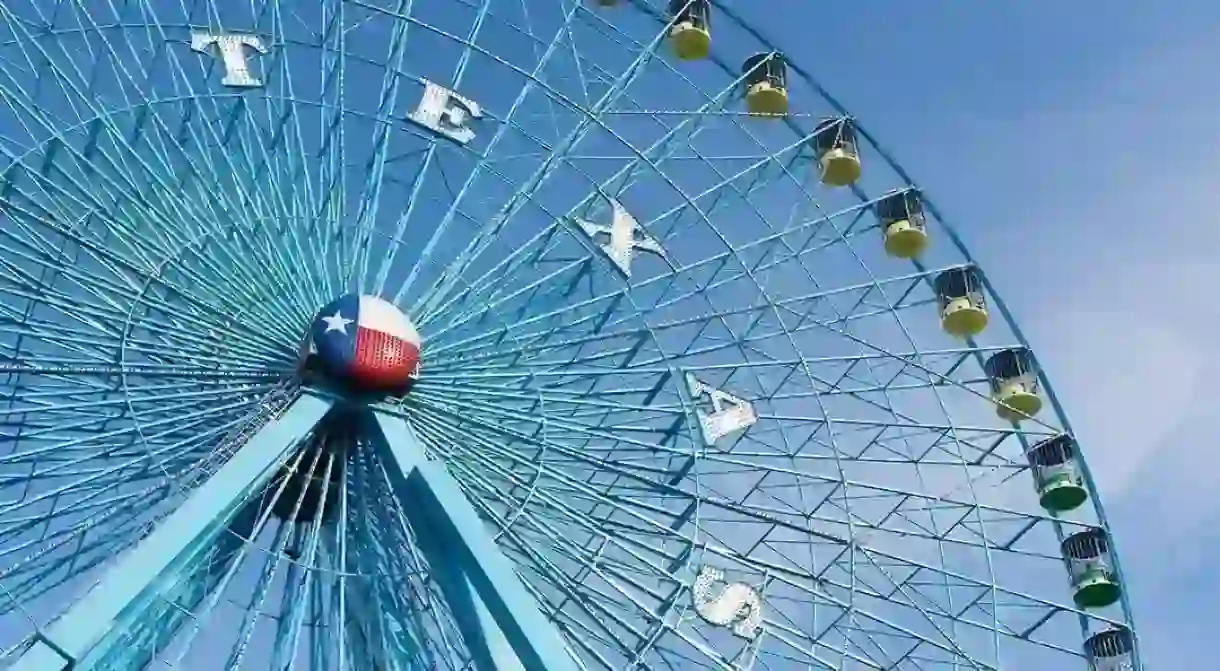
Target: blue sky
[1074,145]
[1075,152]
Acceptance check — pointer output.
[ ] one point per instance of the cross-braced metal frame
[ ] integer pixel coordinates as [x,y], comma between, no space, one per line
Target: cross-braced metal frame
[703,411]
[500,622]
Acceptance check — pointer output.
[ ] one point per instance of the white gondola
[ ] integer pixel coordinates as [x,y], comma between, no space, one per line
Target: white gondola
[1094,584]
[1060,487]
[1110,650]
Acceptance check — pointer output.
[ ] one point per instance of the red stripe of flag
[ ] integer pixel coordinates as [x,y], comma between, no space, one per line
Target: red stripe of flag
[383,359]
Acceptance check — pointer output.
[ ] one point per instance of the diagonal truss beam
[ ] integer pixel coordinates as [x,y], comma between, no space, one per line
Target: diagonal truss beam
[134,582]
[500,621]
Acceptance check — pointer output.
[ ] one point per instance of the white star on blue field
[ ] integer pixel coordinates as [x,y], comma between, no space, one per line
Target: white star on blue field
[336,322]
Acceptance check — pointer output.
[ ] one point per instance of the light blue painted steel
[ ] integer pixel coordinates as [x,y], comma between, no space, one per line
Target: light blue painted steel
[165,240]
[386,641]
[184,591]
[133,582]
[498,617]
[484,638]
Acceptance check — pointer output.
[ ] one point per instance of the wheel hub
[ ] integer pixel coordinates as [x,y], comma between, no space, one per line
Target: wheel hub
[364,343]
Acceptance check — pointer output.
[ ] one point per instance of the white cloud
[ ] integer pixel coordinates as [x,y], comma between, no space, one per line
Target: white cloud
[1121,250]
[1133,356]
[1118,244]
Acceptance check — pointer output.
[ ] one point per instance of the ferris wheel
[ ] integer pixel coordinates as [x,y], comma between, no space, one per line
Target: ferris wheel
[526,334]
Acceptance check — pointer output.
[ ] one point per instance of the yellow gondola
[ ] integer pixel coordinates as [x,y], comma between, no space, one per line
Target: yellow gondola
[690,30]
[903,223]
[834,145]
[963,309]
[765,78]
[1014,384]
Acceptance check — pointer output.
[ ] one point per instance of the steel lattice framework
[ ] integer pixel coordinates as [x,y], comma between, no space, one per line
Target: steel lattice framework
[678,407]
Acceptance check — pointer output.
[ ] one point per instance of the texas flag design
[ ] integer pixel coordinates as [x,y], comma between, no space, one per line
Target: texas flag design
[368,341]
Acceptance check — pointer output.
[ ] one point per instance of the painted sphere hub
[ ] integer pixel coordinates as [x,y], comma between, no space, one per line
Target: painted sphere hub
[367,342]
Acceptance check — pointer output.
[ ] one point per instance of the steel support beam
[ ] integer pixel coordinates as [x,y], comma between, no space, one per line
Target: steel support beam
[501,623]
[138,579]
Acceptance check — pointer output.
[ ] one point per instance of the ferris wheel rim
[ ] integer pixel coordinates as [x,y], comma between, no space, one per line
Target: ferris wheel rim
[685,403]
[959,244]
